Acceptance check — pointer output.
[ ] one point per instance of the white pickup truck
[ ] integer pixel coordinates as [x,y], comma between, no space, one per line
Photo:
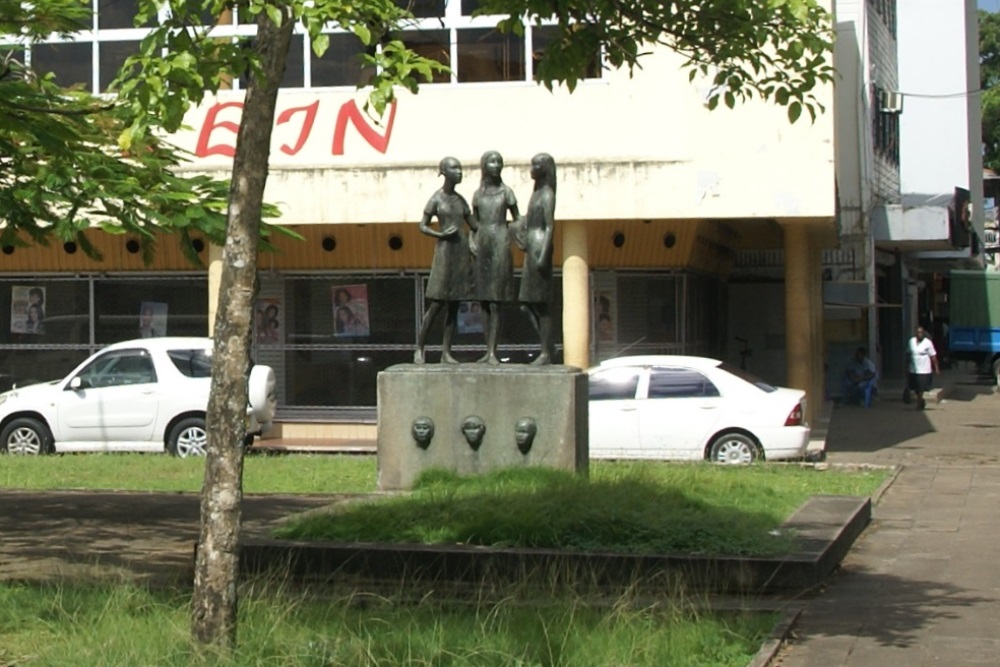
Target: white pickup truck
[147,395]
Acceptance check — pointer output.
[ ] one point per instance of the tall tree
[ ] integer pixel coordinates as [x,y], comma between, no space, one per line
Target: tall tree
[777,50]
[989,83]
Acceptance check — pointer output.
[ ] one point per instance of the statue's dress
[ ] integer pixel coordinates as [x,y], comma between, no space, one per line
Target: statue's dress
[494,263]
[536,280]
[451,268]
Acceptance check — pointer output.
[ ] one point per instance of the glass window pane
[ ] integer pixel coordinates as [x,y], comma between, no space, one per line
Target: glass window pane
[515,329]
[180,307]
[679,383]
[489,55]
[112,14]
[120,368]
[423,9]
[111,56]
[294,76]
[542,36]
[340,65]
[613,384]
[60,312]
[647,309]
[29,366]
[372,311]
[469,6]
[192,363]
[72,63]
[337,378]
[431,44]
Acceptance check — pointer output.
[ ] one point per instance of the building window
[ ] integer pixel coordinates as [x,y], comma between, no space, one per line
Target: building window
[442,30]
[340,65]
[885,130]
[489,55]
[76,316]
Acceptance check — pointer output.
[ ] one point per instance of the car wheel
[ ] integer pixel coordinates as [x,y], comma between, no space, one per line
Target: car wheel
[734,448]
[26,436]
[188,438]
[262,393]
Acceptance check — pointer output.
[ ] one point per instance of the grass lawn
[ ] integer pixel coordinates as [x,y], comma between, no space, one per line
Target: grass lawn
[126,626]
[292,473]
[635,507]
[632,506]
[622,507]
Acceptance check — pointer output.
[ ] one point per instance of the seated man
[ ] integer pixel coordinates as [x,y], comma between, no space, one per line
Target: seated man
[859,379]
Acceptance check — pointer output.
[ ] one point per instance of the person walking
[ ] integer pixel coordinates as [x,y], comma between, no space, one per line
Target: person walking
[923,363]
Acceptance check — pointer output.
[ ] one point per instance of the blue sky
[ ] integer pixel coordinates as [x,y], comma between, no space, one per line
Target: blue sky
[989,5]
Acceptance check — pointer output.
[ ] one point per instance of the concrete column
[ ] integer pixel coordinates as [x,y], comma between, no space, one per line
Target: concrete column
[576,295]
[798,314]
[214,283]
[818,389]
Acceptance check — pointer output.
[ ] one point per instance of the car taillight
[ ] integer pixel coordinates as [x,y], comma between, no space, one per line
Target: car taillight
[795,416]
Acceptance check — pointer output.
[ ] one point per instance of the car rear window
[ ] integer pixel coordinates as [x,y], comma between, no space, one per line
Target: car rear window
[748,377]
[613,384]
[192,363]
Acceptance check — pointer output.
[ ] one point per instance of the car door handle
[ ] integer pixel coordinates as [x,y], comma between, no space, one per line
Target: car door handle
[708,407]
[630,408]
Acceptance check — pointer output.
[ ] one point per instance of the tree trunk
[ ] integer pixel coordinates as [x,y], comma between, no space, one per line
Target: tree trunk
[214,605]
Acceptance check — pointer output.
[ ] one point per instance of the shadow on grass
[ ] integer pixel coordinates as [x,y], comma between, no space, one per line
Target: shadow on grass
[116,535]
[547,509]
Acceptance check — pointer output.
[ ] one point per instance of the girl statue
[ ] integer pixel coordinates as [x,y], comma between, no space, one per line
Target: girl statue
[450,281]
[494,264]
[535,295]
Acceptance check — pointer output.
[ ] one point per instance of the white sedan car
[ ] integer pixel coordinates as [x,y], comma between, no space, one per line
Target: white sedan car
[691,408]
[147,395]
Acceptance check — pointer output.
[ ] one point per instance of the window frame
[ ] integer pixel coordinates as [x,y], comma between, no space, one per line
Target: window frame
[453,21]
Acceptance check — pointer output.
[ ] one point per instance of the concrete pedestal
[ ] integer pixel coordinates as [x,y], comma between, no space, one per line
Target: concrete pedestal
[553,397]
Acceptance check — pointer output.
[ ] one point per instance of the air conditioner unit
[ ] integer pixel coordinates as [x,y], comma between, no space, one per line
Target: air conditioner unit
[890,102]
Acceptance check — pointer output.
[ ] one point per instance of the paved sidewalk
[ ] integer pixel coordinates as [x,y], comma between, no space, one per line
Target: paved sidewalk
[922,584]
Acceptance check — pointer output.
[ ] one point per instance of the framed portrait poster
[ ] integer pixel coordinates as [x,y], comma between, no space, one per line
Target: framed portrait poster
[350,310]
[27,309]
[267,321]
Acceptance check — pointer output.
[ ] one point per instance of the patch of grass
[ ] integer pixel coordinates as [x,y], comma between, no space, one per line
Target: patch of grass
[126,625]
[626,508]
[293,473]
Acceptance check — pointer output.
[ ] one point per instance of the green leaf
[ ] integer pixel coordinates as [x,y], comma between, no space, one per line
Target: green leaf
[363,33]
[794,111]
[274,13]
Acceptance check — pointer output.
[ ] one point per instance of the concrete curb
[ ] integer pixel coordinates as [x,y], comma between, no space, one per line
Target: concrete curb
[782,630]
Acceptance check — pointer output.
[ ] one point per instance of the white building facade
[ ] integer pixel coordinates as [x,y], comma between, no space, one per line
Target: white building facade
[657,197]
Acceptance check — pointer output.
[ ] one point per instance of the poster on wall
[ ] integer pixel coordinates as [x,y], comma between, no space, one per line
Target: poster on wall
[152,319]
[27,309]
[267,321]
[604,317]
[470,317]
[350,310]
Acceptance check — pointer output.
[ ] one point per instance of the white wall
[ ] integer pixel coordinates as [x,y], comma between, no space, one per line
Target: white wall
[938,74]
[644,147]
